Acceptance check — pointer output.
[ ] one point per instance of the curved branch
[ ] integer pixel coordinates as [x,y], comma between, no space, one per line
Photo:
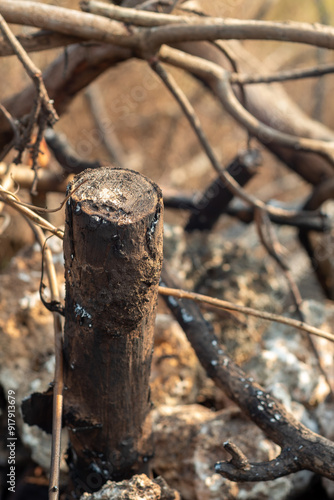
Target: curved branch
[90,26]
[219,80]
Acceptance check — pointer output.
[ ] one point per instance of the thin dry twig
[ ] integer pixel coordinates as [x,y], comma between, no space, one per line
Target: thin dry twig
[224,304]
[194,121]
[272,245]
[270,242]
[58,376]
[43,113]
[58,340]
[106,133]
[41,209]
[282,76]
[218,78]
[16,203]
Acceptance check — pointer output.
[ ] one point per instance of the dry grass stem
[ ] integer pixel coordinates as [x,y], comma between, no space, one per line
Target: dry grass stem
[58,377]
[15,202]
[223,304]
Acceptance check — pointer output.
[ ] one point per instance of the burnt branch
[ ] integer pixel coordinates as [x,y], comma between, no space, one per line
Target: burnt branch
[301,448]
[65,154]
[310,220]
[315,221]
[239,469]
[215,199]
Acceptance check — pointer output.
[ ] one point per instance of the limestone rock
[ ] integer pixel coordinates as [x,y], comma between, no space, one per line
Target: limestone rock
[139,487]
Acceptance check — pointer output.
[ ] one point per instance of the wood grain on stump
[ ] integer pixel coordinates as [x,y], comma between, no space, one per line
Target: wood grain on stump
[113,256]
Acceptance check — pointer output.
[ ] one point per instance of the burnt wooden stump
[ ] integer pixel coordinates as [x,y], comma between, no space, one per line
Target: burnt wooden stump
[113,257]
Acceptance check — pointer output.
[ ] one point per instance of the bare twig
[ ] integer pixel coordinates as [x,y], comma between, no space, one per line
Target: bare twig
[32,70]
[270,242]
[72,71]
[239,459]
[15,202]
[42,113]
[282,76]
[272,245]
[219,79]
[106,134]
[167,54]
[223,304]
[58,376]
[68,22]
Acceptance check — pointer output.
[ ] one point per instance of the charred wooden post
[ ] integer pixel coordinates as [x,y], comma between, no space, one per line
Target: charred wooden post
[113,257]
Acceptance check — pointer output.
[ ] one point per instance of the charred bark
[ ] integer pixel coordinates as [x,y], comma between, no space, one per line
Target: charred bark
[113,255]
[217,196]
[300,447]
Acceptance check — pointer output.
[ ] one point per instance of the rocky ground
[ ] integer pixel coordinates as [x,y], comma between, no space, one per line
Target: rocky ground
[191,417]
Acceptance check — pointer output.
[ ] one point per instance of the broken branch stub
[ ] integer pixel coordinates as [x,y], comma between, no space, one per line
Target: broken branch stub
[113,257]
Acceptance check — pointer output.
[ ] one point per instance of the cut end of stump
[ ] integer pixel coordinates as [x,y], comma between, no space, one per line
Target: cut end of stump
[115,194]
